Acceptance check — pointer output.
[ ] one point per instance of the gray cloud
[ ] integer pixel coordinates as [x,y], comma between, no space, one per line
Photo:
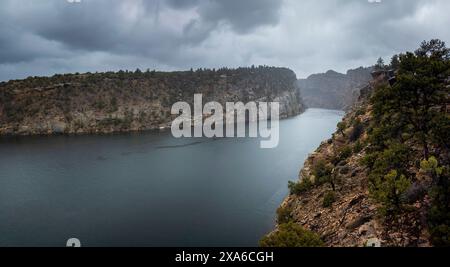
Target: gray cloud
[243,16]
[50,36]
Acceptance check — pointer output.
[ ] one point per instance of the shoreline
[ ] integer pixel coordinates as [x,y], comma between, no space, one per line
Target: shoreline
[131,131]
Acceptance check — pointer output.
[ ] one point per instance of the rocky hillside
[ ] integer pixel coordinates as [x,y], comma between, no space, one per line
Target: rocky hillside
[383,178]
[347,216]
[333,90]
[133,101]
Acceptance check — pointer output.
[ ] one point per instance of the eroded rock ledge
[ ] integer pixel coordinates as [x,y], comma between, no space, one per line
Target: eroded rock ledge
[133,101]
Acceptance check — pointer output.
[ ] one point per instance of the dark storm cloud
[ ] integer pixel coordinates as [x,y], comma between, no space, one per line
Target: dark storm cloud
[104,24]
[128,27]
[182,4]
[48,36]
[243,16]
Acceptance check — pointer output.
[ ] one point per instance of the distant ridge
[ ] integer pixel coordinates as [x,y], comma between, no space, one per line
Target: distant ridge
[133,101]
[334,90]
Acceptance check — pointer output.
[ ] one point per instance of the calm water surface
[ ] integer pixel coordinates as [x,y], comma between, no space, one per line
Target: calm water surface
[150,189]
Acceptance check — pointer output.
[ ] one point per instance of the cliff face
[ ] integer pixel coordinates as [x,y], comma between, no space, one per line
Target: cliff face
[333,90]
[127,101]
[351,217]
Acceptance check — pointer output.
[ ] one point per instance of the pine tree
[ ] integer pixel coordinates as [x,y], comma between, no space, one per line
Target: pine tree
[413,103]
[395,62]
[380,64]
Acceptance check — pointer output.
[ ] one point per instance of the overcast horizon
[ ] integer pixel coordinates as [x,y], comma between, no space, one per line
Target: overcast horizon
[41,38]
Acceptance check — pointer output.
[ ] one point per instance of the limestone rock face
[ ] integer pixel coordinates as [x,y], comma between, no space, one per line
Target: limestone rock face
[333,90]
[133,101]
[290,104]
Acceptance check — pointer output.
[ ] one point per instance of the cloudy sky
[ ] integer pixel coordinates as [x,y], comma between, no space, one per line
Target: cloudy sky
[43,37]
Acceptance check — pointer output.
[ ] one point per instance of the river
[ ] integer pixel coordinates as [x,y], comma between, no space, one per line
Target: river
[150,189]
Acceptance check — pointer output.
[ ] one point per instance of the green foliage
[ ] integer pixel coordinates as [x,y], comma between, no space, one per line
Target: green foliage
[345,153]
[388,191]
[389,176]
[440,127]
[284,215]
[382,131]
[395,157]
[342,126]
[369,159]
[329,199]
[431,166]
[360,111]
[291,235]
[412,111]
[321,169]
[439,214]
[434,49]
[380,64]
[358,130]
[323,174]
[357,147]
[412,104]
[301,187]
[395,62]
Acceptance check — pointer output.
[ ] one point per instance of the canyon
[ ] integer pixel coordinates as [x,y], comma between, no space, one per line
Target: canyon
[333,90]
[134,101]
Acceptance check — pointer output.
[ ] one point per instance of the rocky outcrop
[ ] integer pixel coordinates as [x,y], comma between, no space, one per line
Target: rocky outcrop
[353,219]
[133,101]
[333,90]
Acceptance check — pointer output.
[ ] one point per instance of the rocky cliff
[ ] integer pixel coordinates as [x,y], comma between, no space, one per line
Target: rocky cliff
[349,192]
[352,218]
[133,101]
[333,90]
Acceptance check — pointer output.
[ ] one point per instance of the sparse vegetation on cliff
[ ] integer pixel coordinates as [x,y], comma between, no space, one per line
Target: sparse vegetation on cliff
[291,235]
[385,173]
[133,101]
